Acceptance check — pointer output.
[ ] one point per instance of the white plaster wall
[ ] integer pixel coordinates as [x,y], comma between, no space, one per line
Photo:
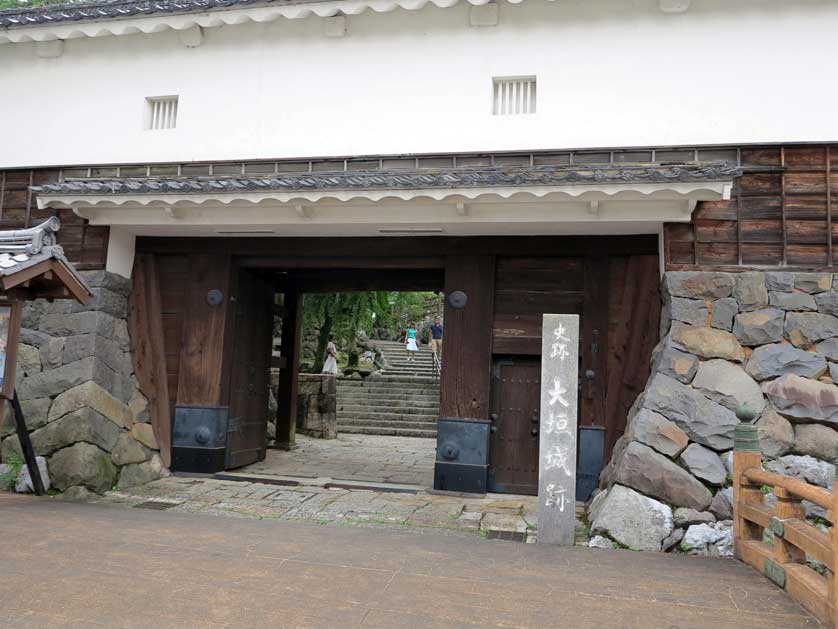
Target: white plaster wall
[611,73]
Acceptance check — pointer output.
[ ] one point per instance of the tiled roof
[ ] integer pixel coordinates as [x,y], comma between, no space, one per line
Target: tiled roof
[399,179]
[114,9]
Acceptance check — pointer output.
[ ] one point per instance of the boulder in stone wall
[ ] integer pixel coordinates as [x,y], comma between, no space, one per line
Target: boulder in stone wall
[673,362]
[722,504]
[36,412]
[144,433]
[656,431]
[779,281]
[111,281]
[83,464]
[813,282]
[759,326]
[709,540]
[28,360]
[633,520]
[138,405]
[674,538]
[704,464]
[106,350]
[805,468]
[92,395]
[698,284]
[78,493]
[705,421]
[24,484]
[10,449]
[816,440]
[723,312]
[598,541]
[708,342]
[82,424]
[595,504]
[779,359]
[129,450]
[833,372]
[827,302]
[828,349]
[727,461]
[121,336]
[90,322]
[805,328]
[729,385]
[52,353]
[693,311]
[137,474]
[653,474]
[802,398]
[792,301]
[7,425]
[54,381]
[776,434]
[687,517]
[749,291]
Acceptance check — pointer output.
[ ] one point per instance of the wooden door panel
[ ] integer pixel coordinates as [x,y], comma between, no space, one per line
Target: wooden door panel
[513,451]
[250,378]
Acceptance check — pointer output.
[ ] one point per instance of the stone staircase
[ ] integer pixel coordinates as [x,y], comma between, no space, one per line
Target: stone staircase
[400,400]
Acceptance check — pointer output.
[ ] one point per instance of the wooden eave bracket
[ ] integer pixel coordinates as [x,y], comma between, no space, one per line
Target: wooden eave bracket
[60,276]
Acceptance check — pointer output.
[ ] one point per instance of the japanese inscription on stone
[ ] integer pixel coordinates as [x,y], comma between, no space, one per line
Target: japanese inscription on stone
[557,434]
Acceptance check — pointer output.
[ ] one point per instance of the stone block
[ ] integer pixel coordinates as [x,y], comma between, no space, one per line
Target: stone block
[709,540]
[52,353]
[598,541]
[76,323]
[24,484]
[827,302]
[83,464]
[692,311]
[792,301]
[776,434]
[805,328]
[813,282]
[634,520]
[779,281]
[28,359]
[33,337]
[817,441]
[759,326]
[10,449]
[805,468]
[90,394]
[54,381]
[722,504]
[708,342]
[651,473]
[704,464]
[698,284]
[657,432]
[82,424]
[729,385]
[673,362]
[128,450]
[106,350]
[687,517]
[749,291]
[779,359]
[144,433]
[121,336]
[674,538]
[828,349]
[107,280]
[801,398]
[705,421]
[135,474]
[724,310]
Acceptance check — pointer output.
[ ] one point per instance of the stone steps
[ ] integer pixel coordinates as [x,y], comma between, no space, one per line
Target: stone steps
[389,381]
[393,432]
[406,407]
[383,414]
[378,423]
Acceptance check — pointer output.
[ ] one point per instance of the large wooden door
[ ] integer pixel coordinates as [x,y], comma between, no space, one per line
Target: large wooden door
[250,376]
[516,395]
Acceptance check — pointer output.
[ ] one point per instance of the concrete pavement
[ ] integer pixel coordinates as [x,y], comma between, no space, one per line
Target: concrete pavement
[104,565]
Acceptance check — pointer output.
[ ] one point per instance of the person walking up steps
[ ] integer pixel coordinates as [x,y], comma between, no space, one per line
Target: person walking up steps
[330,367]
[436,338]
[410,337]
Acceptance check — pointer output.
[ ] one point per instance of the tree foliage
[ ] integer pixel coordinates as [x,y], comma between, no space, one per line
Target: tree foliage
[28,4]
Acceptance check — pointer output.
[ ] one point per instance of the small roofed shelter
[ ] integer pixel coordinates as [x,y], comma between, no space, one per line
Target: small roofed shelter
[32,266]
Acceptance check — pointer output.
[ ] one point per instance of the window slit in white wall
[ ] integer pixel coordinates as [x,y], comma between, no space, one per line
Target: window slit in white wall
[513,95]
[161,112]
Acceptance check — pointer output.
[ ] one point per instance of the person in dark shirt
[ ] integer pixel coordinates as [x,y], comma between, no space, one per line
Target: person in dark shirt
[436,337]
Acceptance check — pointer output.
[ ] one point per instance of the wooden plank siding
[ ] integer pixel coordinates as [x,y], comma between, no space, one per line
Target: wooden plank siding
[85,245]
[780,214]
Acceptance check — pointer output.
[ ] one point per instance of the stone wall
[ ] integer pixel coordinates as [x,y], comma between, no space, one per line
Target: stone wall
[769,340]
[317,406]
[84,410]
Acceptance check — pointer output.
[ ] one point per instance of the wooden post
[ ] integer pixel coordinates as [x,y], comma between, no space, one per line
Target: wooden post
[746,455]
[286,401]
[557,432]
[26,447]
[788,507]
[832,581]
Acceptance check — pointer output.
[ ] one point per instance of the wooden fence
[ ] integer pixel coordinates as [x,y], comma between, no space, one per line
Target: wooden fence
[783,559]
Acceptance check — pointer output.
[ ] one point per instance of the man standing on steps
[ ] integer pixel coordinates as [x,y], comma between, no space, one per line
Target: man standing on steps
[436,337]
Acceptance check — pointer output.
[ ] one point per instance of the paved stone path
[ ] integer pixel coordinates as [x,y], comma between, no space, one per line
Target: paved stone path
[375,458]
[84,566]
[318,502]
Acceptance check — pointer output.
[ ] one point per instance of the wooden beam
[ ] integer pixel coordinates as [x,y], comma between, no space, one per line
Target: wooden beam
[343,262]
[286,399]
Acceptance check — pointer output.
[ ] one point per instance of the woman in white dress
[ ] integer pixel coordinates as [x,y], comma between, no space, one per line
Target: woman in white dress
[330,367]
[410,337]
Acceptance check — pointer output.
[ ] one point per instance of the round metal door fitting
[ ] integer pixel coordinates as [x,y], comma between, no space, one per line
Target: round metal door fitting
[457,300]
[203,435]
[449,451]
[215,297]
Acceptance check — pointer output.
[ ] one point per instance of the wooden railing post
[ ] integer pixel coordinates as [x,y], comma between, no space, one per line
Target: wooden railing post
[832,581]
[746,455]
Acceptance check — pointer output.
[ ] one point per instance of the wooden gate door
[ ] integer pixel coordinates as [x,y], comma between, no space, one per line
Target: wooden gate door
[516,397]
[250,377]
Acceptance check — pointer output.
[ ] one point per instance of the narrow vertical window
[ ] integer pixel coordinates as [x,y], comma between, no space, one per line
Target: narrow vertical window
[513,95]
[161,112]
